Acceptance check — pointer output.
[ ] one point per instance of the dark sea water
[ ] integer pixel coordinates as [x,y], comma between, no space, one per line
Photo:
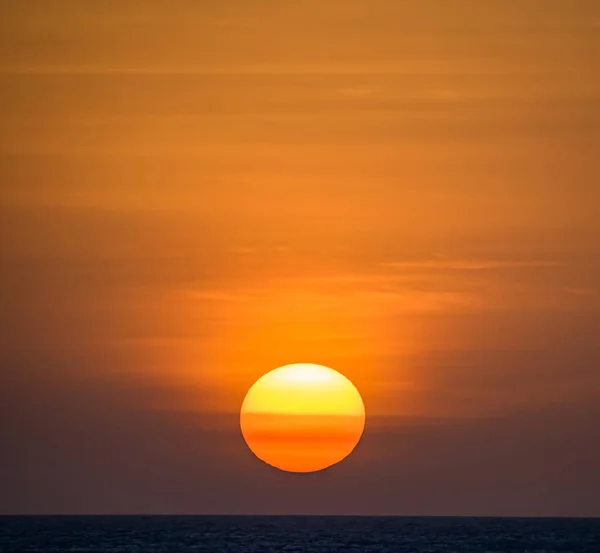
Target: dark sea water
[174,534]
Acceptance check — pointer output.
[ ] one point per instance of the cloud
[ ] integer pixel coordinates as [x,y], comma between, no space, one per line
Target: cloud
[441,263]
[585,292]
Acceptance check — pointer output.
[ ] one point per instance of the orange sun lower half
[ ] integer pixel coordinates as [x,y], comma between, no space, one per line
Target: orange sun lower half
[302,417]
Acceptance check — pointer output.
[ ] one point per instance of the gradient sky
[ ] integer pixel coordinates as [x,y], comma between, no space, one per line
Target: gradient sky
[194,193]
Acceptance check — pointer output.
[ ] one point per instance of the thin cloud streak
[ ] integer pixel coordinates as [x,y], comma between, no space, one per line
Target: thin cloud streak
[469,264]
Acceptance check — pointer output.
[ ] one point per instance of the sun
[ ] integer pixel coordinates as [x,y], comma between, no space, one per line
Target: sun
[302,417]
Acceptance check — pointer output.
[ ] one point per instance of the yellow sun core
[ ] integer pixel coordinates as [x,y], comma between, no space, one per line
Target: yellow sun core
[302,417]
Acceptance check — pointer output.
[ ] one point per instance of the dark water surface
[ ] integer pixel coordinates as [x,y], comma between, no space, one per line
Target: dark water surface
[174,534]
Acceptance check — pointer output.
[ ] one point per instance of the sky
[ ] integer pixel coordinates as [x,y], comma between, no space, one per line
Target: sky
[195,193]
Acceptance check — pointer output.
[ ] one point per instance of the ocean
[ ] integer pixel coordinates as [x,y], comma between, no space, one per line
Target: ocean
[249,534]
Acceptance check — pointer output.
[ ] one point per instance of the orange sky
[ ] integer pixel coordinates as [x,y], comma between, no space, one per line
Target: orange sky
[194,193]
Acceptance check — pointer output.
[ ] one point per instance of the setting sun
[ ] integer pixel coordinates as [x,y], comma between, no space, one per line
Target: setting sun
[302,417]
